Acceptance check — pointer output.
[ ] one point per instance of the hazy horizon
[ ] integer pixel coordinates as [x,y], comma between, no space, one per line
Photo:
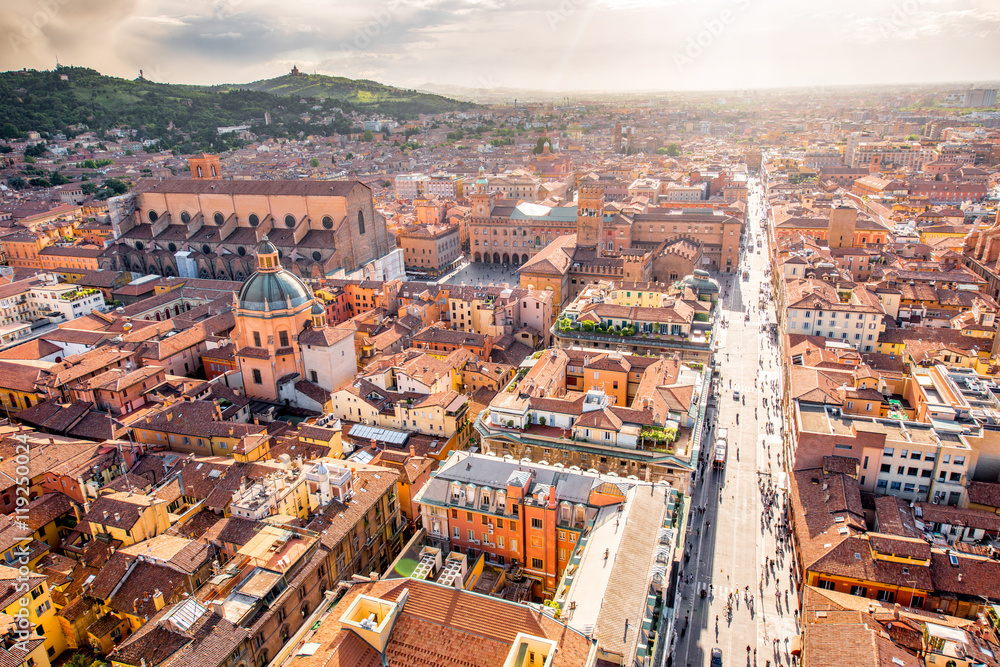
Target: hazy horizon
[613,46]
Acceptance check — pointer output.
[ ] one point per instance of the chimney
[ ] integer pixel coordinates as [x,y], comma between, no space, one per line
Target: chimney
[118,517]
[895,611]
[413,451]
[105,514]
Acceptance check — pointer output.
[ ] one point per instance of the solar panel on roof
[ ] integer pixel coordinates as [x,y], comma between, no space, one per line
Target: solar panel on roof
[362,456]
[364,432]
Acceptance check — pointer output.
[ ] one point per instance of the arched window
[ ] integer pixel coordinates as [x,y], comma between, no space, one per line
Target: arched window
[214,173]
[13,401]
[27,401]
[361,222]
[199,171]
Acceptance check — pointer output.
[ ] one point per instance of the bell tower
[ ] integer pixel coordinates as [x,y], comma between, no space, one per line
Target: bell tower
[589,216]
[205,167]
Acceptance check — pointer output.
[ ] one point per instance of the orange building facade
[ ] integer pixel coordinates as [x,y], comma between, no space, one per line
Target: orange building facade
[524,520]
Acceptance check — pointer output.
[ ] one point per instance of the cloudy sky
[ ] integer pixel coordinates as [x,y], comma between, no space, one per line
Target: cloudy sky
[539,44]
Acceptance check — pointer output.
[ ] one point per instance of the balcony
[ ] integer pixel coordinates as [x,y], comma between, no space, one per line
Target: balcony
[659,439]
[78,294]
[630,336]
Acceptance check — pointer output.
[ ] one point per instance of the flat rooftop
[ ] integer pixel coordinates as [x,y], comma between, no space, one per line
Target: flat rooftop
[604,594]
[817,419]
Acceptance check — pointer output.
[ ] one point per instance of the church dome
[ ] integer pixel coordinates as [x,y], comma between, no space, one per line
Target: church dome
[266,247]
[271,287]
[701,283]
[276,290]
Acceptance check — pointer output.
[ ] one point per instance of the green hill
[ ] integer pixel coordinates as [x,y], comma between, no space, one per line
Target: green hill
[356,92]
[185,118]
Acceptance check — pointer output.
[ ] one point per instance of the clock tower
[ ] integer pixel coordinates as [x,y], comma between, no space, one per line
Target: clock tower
[481,199]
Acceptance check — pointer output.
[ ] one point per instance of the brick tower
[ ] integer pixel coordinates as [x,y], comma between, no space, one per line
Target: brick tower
[589,216]
[205,166]
[843,222]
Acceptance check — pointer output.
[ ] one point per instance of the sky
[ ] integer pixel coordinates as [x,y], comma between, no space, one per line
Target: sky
[550,45]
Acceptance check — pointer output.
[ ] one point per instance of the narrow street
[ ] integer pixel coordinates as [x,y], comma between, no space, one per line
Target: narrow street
[732,543]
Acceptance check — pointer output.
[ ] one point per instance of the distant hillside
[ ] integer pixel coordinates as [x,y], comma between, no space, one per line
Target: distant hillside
[185,118]
[357,92]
